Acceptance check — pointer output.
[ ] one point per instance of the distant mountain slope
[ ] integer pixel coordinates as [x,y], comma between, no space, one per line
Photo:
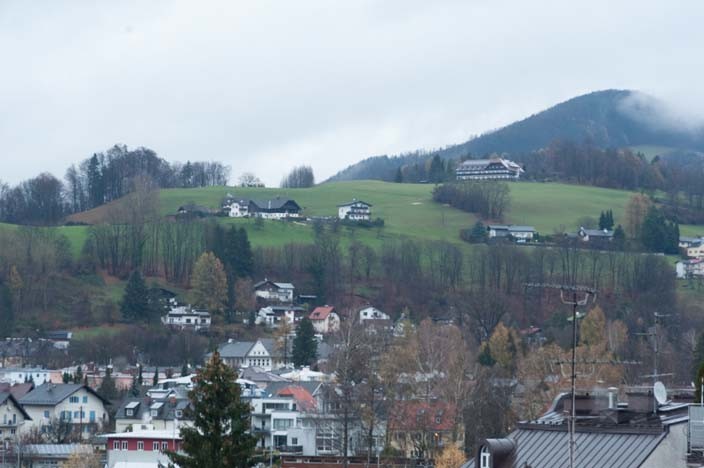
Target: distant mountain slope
[611,118]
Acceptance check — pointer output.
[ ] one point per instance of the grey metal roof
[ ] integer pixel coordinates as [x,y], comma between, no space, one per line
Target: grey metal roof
[353,202]
[56,450]
[521,228]
[275,203]
[236,349]
[548,448]
[52,394]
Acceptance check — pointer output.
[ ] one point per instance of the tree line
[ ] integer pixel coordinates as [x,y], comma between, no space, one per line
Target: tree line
[97,180]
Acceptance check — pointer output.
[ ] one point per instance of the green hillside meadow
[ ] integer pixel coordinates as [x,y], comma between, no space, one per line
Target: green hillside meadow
[407,209]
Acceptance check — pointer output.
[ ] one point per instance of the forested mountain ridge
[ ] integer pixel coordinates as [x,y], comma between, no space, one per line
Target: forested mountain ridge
[607,119]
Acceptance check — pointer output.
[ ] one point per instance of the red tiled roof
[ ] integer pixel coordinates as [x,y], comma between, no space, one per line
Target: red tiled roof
[304,399]
[414,415]
[321,313]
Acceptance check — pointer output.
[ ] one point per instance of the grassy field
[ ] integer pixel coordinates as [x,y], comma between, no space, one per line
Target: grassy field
[407,210]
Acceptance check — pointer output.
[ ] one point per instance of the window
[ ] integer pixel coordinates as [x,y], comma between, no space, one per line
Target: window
[92,416]
[281,424]
[155,446]
[128,412]
[140,445]
[74,399]
[179,413]
[116,445]
[164,446]
[484,457]
[46,414]
[294,440]
[124,445]
[85,399]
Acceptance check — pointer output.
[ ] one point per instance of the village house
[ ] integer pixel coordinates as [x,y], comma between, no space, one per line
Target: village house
[141,448]
[686,242]
[689,268]
[12,416]
[595,235]
[187,318]
[76,404]
[695,251]
[262,353]
[275,292]
[61,339]
[166,410]
[520,234]
[17,375]
[325,320]
[608,433]
[421,429]
[356,210]
[274,316]
[274,208]
[236,207]
[495,168]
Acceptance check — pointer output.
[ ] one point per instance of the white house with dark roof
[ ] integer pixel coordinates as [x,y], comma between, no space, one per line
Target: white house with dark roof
[18,375]
[356,210]
[76,404]
[187,318]
[273,291]
[169,411]
[236,207]
[520,234]
[274,208]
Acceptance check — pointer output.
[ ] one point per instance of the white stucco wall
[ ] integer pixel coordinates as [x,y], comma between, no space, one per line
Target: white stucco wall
[672,451]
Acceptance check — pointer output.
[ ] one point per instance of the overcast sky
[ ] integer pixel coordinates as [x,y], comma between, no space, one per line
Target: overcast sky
[265,86]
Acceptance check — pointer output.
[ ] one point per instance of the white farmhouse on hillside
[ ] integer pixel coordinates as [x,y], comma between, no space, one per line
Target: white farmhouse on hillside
[271,291]
[356,210]
[372,313]
[187,318]
[520,234]
[236,207]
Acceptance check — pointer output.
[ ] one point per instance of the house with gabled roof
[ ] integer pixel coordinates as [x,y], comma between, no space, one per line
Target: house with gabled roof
[76,404]
[325,319]
[274,208]
[494,168]
[355,210]
[262,353]
[166,411]
[12,416]
[268,290]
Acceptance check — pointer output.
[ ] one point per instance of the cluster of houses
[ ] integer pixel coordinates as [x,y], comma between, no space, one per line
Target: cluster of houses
[692,266]
[273,208]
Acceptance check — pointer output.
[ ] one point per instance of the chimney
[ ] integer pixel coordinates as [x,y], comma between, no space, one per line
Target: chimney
[172,400]
[640,401]
[613,397]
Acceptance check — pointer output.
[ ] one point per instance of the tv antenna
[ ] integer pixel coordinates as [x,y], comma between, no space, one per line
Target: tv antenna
[575,296]
[652,333]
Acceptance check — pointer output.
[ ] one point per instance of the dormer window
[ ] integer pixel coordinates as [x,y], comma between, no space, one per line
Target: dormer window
[485,457]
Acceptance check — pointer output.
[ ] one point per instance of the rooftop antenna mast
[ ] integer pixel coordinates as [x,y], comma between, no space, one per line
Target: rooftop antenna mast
[575,296]
[652,333]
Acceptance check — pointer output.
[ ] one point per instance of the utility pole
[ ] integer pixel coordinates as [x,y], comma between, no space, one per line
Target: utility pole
[575,296]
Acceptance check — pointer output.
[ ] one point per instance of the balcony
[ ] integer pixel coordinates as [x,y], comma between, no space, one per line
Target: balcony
[289,449]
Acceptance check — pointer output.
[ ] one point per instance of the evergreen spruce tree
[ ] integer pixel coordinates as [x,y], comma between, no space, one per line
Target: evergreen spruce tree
[107,388]
[155,381]
[478,233]
[134,388]
[305,346]
[610,220]
[602,220]
[78,377]
[220,433]
[66,377]
[135,302]
[184,370]
[140,379]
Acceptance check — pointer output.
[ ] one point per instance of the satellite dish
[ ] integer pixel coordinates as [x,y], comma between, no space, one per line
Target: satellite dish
[660,392]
